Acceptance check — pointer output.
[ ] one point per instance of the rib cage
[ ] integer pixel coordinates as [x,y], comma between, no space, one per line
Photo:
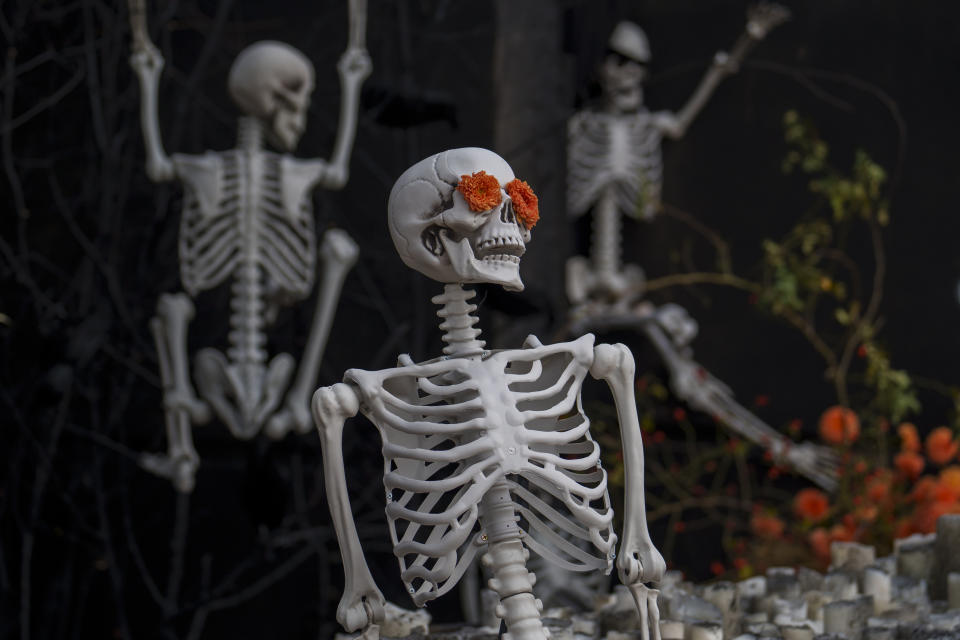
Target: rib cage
[454,427]
[622,152]
[213,244]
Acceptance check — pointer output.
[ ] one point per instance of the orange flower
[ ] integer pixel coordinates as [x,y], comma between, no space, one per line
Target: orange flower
[923,489]
[925,520]
[811,504]
[525,202]
[767,526]
[481,191]
[819,541]
[940,446]
[839,425]
[878,486]
[950,478]
[909,440]
[909,463]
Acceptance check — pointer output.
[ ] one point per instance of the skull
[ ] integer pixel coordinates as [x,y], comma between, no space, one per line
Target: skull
[624,69]
[436,232]
[272,81]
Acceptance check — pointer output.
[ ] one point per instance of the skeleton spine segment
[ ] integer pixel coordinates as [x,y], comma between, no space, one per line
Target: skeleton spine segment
[458,320]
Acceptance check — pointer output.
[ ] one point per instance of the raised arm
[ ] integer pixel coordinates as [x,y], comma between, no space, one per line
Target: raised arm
[761,19]
[147,63]
[354,67]
[639,561]
[362,603]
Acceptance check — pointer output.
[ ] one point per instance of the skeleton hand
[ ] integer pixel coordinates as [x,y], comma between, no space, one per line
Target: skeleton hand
[354,65]
[820,464]
[762,18]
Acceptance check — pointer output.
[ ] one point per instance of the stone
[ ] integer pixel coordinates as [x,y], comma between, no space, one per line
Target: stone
[400,623]
[915,555]
[672,630]
[946,559]
[559,628]
[840,585]
[851,556]
[879,584]
[840,617]
[782,581]
[750,592]
[619,612]
[809,579]
[953,590]
[796,632]
[705,631]
[689,608]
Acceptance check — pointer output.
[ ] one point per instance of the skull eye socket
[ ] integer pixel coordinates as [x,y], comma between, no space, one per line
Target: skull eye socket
[480,190]
[294,84]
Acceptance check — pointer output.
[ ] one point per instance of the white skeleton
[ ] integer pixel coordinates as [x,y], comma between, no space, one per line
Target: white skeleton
[247,218]
[484,450]
[615,168]
[614,162]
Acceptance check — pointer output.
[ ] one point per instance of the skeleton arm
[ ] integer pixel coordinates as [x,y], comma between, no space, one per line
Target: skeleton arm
[639,560]
[362,603]
[147,63]
[354,67]
[761,18]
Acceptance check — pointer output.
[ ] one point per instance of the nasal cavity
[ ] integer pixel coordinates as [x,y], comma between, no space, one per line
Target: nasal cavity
[506,213]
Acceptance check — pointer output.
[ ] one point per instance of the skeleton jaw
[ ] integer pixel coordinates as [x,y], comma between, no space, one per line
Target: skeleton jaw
[494,260]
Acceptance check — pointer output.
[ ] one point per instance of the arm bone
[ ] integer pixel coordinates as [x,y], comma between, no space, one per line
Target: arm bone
[362,602]
[147,62]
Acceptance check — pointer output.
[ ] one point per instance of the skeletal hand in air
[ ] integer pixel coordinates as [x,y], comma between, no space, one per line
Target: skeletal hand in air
[354,65]
[763,17]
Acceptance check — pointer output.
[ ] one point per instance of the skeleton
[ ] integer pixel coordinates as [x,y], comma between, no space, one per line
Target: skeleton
[484,450]
[615,168]
[614,163]
[247,218]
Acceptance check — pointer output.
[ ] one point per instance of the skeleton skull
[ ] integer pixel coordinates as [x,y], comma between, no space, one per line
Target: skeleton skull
[272,81]
[436,232]
[624,69]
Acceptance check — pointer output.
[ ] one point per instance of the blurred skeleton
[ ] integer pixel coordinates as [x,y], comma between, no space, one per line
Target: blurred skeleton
[614,169]
[247,218]
[485,451]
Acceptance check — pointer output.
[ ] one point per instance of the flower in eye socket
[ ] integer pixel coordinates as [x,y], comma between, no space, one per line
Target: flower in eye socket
[481,191]
[525,202]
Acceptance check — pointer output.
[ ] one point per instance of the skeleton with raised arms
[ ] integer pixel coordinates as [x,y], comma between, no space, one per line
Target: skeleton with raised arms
[247,219]
[485,451]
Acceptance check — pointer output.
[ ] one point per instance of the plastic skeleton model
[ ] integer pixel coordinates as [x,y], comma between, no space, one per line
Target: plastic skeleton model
[614,164]
[484,450]
[247,218]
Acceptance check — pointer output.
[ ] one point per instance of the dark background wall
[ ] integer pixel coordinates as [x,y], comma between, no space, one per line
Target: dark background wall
[95,547]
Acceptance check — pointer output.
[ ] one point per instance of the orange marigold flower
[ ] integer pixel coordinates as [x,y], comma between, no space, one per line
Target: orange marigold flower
[481,191]
[950,478]
[909,463]
[839,425]
[878,486]
[909,440]
[940,445]
[811,504]
[717,568]
[525,202]
[923,490]
[819,541]
[925,519]
[767,526]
